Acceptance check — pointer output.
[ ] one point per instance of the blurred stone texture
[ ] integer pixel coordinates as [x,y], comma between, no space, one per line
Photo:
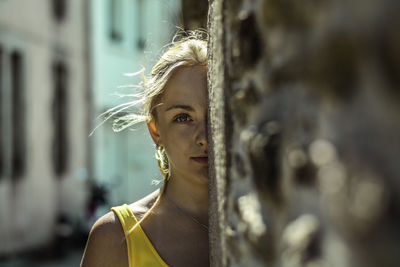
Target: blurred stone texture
[305,133]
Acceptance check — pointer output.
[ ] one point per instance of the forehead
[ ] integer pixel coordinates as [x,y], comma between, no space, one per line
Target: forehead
[188,85]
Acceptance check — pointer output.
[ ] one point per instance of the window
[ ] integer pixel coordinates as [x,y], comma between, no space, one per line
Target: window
[60,119]
[1,116]
[59,9]
[115,16]
[18,159]
[140,41]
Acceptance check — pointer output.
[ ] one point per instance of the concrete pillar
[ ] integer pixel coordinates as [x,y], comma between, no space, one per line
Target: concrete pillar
[304,129]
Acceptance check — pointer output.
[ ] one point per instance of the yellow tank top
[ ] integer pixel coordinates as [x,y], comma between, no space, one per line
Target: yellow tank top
[141,252]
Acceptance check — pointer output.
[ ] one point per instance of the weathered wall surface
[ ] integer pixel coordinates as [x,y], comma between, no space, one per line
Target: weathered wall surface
[218,146]
[304,106]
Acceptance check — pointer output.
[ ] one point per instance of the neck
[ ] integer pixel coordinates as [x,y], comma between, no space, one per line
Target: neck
[190,197]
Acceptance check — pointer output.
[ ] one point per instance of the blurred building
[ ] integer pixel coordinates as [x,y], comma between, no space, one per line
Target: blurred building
[127,35]
[44,105]
[61,65]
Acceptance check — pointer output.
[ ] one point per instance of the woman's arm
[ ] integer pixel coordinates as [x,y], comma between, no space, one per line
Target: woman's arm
[106,245]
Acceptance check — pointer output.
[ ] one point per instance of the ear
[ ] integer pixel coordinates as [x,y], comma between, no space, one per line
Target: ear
[151,125]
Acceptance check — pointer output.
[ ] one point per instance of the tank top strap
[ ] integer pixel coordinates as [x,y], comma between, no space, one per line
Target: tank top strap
[125,216]
[140,250]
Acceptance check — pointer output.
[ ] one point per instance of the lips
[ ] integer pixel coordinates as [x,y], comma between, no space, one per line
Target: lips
[201,159]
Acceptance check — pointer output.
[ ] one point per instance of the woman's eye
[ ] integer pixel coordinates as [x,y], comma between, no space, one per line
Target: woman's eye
[182,118]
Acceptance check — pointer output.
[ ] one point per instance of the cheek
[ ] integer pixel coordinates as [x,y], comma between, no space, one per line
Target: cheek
[178,142]
[181,132]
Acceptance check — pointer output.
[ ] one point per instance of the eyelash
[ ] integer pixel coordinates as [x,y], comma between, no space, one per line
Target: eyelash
[179,116]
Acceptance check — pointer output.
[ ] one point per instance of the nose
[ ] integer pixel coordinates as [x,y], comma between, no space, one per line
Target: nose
[202,135]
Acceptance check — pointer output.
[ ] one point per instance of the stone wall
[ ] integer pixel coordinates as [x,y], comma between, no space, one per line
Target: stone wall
[305,134]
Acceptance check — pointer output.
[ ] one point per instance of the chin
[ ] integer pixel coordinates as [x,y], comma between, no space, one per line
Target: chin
[201,176]
[204,176]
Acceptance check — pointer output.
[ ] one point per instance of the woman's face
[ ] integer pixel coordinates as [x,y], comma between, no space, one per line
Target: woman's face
[181,123]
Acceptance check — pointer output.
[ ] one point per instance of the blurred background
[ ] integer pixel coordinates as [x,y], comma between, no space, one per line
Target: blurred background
[62,64]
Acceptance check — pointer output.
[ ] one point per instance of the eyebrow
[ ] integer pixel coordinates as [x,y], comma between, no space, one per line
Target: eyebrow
[180,106]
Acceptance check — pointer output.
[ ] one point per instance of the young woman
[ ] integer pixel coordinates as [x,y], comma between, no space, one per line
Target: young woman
[169,227]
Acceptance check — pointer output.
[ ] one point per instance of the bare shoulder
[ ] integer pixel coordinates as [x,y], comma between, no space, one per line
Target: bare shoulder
[142,206]
[106,244]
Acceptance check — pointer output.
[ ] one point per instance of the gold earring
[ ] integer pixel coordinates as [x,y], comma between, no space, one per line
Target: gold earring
[162,161]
